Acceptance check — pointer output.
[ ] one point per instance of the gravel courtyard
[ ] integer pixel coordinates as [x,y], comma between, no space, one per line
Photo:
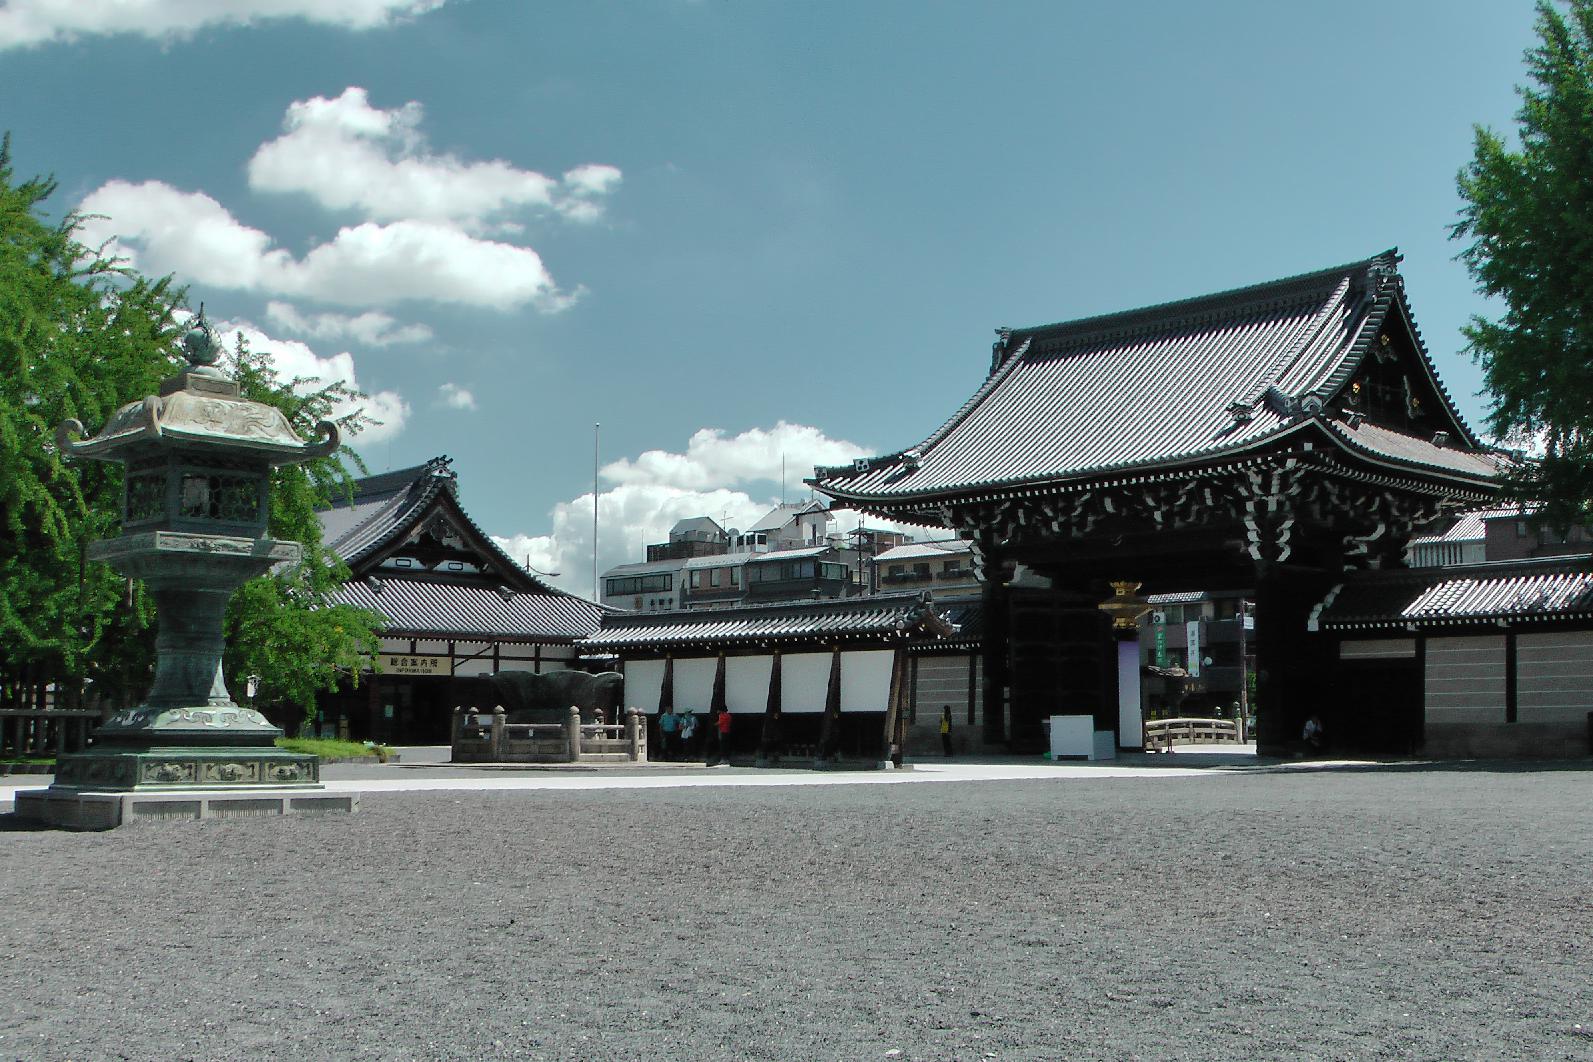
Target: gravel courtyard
[1358,913]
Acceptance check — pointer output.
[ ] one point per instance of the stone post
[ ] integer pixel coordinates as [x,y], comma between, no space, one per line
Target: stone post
[632,733]
[573,734]
[500,719]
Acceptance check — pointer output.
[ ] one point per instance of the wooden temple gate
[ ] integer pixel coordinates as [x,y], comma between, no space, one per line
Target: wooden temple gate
[1273,439]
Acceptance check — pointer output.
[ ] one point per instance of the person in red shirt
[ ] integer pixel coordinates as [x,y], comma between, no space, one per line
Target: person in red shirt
[722,737]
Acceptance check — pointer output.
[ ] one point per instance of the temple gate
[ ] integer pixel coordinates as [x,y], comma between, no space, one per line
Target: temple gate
[1269,438]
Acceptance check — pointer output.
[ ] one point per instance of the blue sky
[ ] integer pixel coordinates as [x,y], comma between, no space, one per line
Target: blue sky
[735,230]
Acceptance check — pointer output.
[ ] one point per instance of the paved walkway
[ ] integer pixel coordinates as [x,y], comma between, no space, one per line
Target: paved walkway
[426,769]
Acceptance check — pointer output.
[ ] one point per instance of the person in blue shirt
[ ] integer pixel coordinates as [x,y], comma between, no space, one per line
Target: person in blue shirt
[668,723]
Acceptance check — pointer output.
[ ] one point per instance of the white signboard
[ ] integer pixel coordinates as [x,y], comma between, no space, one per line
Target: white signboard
[1192,638]
[410,664]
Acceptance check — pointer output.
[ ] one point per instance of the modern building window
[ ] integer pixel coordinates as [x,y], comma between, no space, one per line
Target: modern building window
[735,576]
[696,580]
[639,584]
[714,576]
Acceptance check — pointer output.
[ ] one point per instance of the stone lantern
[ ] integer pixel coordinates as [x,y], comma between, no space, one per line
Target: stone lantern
[195,503]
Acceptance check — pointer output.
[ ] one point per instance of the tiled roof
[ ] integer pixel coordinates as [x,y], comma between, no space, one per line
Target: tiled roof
[1552,589]
[1468,528]
[388,507]
[1152,388]
[788,554]
[866,617]
[915,550]
[421,607]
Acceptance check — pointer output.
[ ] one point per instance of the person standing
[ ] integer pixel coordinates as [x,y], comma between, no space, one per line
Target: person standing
[945,730]
[722,736]
[688,735]
[668,723]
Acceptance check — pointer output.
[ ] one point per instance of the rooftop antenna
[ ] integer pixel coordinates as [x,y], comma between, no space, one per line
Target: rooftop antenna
[782,477]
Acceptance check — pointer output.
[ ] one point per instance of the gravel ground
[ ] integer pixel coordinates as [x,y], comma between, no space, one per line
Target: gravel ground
[1380,913]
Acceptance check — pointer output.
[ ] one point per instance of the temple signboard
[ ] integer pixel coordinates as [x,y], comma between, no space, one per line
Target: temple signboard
[410,664]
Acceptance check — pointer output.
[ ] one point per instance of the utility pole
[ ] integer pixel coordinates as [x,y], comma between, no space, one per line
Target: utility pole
[597,595]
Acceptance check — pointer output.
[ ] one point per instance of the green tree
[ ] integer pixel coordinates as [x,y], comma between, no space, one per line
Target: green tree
[286,631]
[80,336]
[1528,214]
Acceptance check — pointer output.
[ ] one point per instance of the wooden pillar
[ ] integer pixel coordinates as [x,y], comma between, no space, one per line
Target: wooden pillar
[374,698]
[1510,676]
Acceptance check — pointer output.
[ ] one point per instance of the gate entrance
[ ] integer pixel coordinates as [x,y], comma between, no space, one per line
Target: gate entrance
[1273,438]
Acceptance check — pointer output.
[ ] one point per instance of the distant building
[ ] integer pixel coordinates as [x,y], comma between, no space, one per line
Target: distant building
[789,554]
[1498,534]
[453,605]
[697,536]
[938,566]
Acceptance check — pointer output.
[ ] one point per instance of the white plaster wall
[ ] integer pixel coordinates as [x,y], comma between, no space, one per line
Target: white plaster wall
[747,684]
[694,684]
[865,681]
[804,678]
[643,681]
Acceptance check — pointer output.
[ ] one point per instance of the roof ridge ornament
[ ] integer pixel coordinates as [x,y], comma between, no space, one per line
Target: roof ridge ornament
[998,349]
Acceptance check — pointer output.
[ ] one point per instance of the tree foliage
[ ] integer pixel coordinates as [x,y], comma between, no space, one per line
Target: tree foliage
[286,631]
[80,336]
[1528,214]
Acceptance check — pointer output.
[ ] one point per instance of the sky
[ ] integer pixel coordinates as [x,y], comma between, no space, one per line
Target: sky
[740,235]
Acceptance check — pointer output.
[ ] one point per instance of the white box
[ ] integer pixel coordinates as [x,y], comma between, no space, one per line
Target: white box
[1072,736]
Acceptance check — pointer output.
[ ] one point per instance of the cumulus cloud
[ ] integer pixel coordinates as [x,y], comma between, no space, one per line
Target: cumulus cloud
[294,360]
[712,458]
[732,479]
[373,328]
[161,229]
[349,155]
[455,397]
[35,22]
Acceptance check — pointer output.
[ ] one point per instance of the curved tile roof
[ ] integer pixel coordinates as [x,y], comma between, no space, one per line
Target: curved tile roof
[875,616]
[1538,590]
[416,606]
[1158,387]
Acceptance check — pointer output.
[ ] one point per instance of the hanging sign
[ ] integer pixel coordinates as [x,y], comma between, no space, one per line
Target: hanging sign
[410,664]
[1161,646]
[1192,637]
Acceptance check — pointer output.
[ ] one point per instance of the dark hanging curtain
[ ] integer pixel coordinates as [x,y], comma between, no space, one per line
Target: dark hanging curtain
[830,735]
[716,702]
[666,692]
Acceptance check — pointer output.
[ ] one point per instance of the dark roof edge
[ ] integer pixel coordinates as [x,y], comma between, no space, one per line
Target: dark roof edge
[1168,313]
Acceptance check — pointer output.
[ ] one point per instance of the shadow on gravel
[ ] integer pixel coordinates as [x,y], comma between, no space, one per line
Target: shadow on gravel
[10,822]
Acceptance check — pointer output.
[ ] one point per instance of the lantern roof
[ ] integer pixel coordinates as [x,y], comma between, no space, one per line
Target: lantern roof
[199,408]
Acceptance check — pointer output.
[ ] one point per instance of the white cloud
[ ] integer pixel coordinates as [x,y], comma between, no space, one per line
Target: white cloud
[455,397]
[373,328]
[294,360]
[650,493]
[713,458]
[161,229]
[34,22]
[348,155]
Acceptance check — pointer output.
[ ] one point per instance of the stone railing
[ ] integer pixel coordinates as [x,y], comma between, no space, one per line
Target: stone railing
[44,732]
[488,737]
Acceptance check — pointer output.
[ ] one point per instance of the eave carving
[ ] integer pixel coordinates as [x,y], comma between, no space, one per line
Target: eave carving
[1275,504]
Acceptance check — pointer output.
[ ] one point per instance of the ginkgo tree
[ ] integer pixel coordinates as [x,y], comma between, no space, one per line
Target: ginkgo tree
[81,335]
